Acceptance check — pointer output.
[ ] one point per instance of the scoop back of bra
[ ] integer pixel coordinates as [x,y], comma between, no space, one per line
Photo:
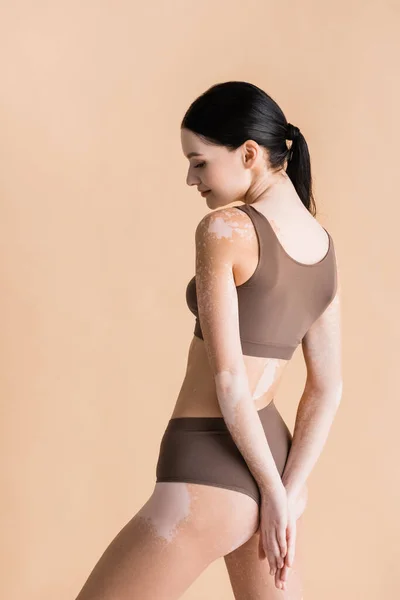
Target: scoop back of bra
[281,299]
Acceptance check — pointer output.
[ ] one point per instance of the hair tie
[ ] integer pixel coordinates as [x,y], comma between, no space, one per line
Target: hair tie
[292,132]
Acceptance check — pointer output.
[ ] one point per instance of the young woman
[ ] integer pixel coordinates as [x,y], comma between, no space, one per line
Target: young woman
[231,479]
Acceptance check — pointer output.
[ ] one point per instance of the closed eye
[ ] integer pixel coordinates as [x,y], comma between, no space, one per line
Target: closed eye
[200,165]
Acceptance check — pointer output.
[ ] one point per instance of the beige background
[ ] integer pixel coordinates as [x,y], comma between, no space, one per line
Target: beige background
[97,246]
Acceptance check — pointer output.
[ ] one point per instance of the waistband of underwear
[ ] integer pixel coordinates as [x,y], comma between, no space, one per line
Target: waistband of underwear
[206,423]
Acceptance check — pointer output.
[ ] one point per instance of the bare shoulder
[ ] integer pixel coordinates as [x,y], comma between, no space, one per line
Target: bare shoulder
[322,347]
[225,225]
[228,215]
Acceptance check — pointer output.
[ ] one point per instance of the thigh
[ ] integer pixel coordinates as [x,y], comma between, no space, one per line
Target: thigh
[250,578]
[177,533]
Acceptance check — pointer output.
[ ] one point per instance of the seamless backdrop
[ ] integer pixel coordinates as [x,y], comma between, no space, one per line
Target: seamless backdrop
[97,245]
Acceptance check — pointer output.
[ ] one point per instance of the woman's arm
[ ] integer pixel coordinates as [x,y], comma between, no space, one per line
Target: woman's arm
[320,399]
[218,313]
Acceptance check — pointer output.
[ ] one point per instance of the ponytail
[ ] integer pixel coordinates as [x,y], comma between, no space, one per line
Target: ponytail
[299,167]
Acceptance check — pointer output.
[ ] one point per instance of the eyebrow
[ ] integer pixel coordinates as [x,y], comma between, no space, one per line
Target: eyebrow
[193,154]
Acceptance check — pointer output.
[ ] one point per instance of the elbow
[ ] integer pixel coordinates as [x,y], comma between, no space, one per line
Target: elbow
[231,381]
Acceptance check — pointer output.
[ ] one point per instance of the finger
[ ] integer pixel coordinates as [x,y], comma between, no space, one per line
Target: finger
[281,539]
[281,585]
[273,551]
[289,559]
[284,573]
[291,541]
[278,583]
[271,559]
[279,536]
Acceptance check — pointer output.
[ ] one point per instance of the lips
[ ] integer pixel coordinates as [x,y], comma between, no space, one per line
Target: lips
[205,192]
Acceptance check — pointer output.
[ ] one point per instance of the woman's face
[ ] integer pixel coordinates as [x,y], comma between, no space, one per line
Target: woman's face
[225,173]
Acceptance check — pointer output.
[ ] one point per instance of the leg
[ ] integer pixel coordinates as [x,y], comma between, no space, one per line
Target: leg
[177,533]
[250,578]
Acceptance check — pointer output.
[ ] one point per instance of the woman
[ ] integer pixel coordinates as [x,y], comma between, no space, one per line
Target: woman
[231,479]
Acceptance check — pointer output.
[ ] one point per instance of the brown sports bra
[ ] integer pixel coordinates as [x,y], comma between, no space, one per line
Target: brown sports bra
[281,299]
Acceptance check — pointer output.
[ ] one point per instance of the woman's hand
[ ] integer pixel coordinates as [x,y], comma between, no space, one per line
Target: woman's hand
[272,527]
[296,507]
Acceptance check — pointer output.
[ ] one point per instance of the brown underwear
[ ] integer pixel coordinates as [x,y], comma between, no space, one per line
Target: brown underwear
[202,450]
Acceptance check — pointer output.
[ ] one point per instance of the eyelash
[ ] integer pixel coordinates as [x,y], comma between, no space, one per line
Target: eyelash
[200,165]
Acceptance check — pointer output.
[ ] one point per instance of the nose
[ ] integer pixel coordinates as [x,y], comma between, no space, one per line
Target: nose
[192,179]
